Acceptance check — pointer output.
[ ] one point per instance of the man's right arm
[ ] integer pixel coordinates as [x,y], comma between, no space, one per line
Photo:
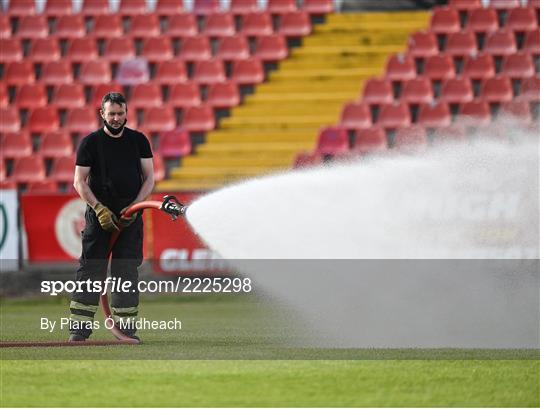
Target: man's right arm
[81,185]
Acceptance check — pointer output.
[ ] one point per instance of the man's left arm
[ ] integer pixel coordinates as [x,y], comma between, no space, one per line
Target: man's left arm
[147,166]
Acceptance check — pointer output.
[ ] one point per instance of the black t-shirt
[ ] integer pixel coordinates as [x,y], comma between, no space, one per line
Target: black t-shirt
[122,163]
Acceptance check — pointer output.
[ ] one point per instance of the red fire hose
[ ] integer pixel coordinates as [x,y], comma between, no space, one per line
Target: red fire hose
[170,205]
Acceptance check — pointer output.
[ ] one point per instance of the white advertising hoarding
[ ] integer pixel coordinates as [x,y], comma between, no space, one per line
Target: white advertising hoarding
[9,252]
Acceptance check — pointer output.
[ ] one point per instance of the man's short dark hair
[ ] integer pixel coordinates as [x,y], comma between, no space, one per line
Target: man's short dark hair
[113,98]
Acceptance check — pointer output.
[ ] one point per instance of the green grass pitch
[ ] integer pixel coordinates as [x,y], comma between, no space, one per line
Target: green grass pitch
[232,352]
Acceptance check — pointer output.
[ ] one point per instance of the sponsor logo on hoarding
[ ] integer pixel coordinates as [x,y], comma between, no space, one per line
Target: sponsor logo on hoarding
[68,226]
[4,226]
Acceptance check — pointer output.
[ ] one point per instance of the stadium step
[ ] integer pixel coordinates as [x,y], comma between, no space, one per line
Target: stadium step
[249,160]
[282,120]
[255,137]
[307,92]
[231,149]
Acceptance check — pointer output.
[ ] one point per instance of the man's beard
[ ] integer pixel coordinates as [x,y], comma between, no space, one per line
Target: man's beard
[115,131]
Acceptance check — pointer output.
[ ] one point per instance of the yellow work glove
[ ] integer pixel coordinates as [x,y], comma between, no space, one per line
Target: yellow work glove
[107,219]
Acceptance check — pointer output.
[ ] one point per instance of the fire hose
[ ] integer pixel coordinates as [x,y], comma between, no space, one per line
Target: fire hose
[169,205]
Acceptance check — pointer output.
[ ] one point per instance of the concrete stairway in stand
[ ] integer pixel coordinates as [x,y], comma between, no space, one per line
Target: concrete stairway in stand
[307,92]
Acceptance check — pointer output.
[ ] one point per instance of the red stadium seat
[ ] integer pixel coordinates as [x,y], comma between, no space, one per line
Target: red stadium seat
[535,4]
[6,184]
[63,169]
[5,27]
[184,95]
[461,44]
[133,72]
[19,73]
[119,49]
[449,133]
[370,140]
[377,91]
[146,96]
[55,145]
[465,4]
[95,7]
[99,90]
[108,26]
[411,138]
[16,145]
[444,20]
[497,89]
[196,49]
[517,110]
[4,98]
[170,72]
[519,65]
[307,159]
[209,72]
[19,8]
[168,8]
[233,48]
[144,26]
[44,119]
[44,50]
[206,7]
[70,27]
[434,115]
[295,24]
[241,7]
[174,144]
[439,67]
[355,115]
[456,91]
[58,8]
[281,6]
[95,72]
[159,119]
[219,25]
[31,27]
[532,42]
[199,119]
[521,19]
[530,89]
[394,116]
[478,67]
[271,48]
[248,72]
[332,141]
[10,119]
[81,50]
[182,25]
[223,95]
[157,49]
[11,50]
[474,113]
[42,187]
[483,20]
[504,4]
[400,67]
[500,42]
[30,96]
[318,7]
[81,120]
[417,91]
[28,169]
[257,24]
[132,7]
[422,44]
